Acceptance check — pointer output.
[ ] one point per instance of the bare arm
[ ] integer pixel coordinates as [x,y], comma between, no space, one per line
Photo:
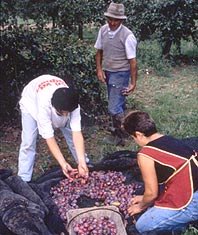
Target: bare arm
[55,150]
[133,74]
[133,70]
[147,167]
[140,203]
[99,71]
[80,151]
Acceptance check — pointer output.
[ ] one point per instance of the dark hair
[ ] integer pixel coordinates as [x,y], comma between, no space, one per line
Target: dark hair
[139,121]
[65,99]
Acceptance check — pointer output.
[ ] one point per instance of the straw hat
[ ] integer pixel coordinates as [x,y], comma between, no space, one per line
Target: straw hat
[116,11]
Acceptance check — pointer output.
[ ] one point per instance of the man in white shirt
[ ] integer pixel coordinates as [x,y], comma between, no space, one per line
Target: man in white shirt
[116,63]
[48,103]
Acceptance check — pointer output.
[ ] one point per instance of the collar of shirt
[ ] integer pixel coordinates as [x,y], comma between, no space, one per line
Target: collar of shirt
[58,121]
[113,33]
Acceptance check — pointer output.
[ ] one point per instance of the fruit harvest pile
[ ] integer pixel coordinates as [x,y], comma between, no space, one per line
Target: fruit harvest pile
[101,188]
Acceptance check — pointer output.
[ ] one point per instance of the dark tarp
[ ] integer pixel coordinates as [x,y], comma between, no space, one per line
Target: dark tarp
[28,208]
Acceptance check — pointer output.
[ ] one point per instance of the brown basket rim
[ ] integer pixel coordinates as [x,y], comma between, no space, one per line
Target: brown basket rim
[109,208]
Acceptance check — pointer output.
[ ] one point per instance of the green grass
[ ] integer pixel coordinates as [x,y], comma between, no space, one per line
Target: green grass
[188,48]
[20,21]
[90,33]
[191,231]
[149,56]
[172,101]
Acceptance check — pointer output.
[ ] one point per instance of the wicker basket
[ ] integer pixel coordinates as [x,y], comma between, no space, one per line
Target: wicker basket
[111,211]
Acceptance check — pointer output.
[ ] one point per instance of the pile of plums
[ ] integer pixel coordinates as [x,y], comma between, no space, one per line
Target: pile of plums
[107,188]
[92,226]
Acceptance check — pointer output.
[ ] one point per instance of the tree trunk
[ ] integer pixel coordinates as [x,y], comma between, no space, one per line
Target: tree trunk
[166,48]
[80,30]
[53,22]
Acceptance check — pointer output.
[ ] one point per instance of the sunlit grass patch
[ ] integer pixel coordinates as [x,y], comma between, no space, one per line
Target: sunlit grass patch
[172,101]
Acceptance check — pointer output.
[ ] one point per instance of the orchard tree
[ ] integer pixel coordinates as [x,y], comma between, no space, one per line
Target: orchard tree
[168,21]
[177,20]
[70,15]
[75,14]
[9,12]
[27,52]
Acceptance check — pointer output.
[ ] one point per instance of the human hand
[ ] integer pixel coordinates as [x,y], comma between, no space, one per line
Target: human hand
[136,199]
[134,209]
[101,75]
[68,171]
[83,172]
[135,205]
[128,90]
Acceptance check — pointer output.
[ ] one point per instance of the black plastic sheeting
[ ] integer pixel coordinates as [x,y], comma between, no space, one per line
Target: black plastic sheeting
[28,208]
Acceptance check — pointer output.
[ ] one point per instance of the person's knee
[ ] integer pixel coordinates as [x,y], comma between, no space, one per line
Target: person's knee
[144,224]
[141,226]
[29,142]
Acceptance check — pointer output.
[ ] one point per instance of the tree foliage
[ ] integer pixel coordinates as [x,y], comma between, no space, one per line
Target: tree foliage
[168,21]
[46,36]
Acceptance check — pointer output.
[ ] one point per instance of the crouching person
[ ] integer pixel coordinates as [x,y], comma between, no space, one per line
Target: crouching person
[47,102]
[170,173]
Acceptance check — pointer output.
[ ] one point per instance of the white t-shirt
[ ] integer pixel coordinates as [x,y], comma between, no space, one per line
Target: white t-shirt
[130,44]
[36,100]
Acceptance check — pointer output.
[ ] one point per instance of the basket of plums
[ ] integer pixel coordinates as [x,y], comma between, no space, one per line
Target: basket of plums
[102,220]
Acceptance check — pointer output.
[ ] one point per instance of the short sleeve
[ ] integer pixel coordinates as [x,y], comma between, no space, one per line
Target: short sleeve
[98,43]
[75,120]
[44,122]
[131,44]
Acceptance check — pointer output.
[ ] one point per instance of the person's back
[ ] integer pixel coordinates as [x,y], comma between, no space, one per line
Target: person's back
[38,92]
[170,173]
[48,103]
[173,164]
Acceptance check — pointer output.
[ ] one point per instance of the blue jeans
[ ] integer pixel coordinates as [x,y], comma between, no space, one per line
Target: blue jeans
[116,81]
[158,219]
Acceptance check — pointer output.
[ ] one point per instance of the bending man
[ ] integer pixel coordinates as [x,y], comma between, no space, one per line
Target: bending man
[48,103]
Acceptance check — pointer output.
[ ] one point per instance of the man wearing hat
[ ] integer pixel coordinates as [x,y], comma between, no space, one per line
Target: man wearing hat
[48,103]
[116,64]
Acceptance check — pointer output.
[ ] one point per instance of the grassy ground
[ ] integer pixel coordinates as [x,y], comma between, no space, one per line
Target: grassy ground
[172,101]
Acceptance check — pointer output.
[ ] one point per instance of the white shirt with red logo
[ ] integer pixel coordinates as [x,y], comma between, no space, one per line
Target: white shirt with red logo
[36,100]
